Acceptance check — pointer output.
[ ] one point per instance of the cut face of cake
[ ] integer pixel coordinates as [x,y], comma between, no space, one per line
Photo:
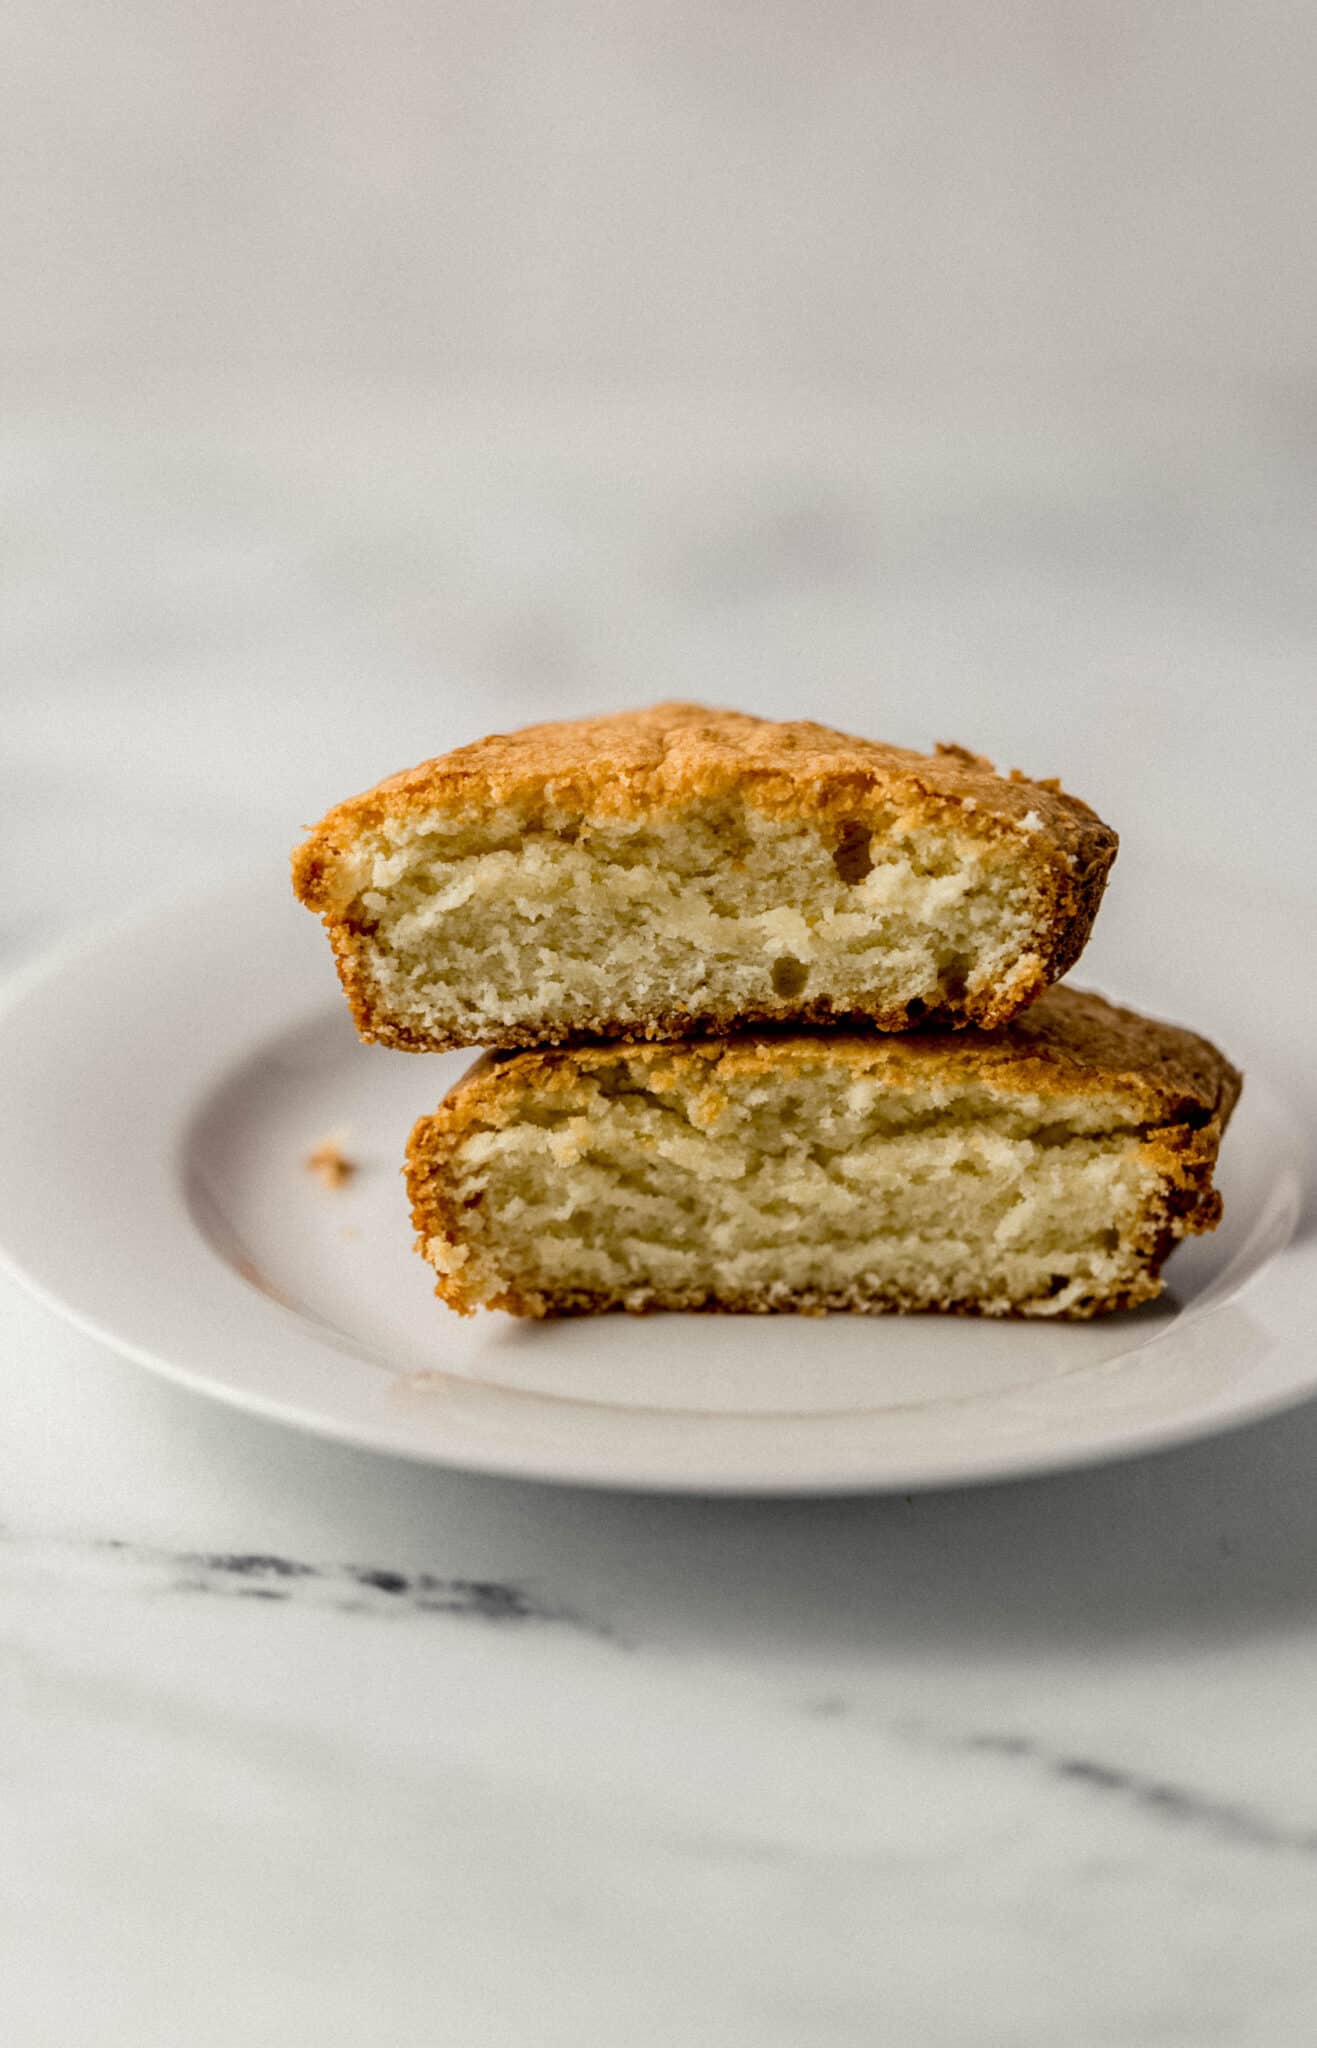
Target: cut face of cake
[1044,1169]
[672,871]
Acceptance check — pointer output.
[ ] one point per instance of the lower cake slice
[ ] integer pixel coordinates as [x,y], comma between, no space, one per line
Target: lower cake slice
[1043,1169]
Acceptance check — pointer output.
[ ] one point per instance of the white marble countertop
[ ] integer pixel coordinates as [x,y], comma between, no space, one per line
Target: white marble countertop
[300,1746]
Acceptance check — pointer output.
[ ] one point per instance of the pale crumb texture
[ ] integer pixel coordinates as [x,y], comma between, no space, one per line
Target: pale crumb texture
[669,872]
[1040,1171]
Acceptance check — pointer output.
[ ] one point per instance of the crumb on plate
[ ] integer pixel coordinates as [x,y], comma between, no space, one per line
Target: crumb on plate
[330,1163]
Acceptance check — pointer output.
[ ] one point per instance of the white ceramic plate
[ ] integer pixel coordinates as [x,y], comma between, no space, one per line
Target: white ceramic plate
[161,1085]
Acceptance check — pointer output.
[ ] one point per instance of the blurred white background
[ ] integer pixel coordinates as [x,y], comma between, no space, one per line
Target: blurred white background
[374,376]
[750,189]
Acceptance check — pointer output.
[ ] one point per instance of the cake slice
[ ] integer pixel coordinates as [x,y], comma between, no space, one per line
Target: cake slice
[1044,1169]
[677,870]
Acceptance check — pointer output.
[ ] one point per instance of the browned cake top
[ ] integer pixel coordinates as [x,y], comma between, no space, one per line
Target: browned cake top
[1068,1043]
[639,763]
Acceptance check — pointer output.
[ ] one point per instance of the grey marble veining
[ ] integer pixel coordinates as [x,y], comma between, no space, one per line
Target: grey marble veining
[378,1591]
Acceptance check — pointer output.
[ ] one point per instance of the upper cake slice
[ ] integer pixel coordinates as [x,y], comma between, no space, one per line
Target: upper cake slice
[678,870]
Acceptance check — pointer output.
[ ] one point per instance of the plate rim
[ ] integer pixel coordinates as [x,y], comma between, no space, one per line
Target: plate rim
[39,978]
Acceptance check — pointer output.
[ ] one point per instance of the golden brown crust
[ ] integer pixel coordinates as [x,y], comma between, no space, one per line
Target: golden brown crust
[645,763]
[1070,1042]
[667,1025]
[852,1301]
[1166,1085]
[637,763]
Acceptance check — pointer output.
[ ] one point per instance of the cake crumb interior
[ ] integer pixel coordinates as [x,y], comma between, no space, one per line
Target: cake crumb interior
[823,1188]
[515,917]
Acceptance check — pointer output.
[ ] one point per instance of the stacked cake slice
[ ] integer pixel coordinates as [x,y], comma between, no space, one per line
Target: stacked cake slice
[790,1039]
